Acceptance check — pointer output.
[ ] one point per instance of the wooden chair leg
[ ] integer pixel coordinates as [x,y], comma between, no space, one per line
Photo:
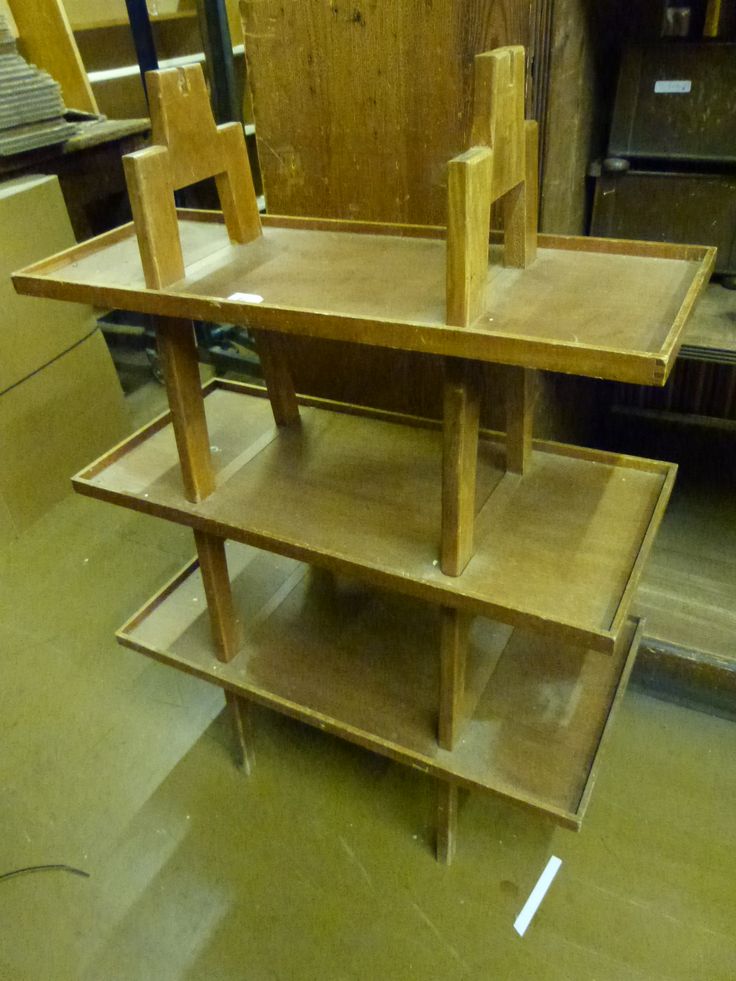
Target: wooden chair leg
[453,655]
[241,720]
[447,803]
[225,626]
[180,363]
[459,464]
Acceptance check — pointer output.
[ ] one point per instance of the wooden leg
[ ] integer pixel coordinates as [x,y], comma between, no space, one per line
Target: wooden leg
[520,398]
[453,654]
[224,624]
[180,364]
[459,463]
[241,719]
[447,800]
[520,207]
[277,375]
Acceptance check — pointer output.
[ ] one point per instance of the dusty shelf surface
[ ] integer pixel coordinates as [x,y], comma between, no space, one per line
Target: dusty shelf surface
[586,306]
[559,550]
[364,664]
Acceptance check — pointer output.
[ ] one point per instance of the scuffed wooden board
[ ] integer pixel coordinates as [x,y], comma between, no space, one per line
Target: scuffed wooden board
[358,107]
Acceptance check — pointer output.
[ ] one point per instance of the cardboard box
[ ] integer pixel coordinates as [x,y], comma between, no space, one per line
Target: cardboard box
[51,425]
[34,224]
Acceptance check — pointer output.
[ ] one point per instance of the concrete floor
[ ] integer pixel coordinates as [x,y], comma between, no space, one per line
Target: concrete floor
[319,865]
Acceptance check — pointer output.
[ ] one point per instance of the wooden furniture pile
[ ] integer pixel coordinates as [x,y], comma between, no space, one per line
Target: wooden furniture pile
[453,598]
[31,107]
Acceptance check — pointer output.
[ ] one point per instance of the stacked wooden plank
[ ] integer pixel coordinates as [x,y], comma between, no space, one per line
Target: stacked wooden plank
[31,107]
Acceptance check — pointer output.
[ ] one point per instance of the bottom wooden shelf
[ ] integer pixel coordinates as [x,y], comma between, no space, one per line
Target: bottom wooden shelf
[364,665]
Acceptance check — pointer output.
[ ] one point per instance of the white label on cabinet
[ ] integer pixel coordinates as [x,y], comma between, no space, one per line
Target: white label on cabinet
[673,86]
[246,297]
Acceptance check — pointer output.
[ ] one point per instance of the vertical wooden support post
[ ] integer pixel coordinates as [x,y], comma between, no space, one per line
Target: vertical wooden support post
[224,624]
[240,711]
[277,376]
[455,627]
[461,411]
[180,363]
[447,803]
[520,207]
[469,210]
[520,398]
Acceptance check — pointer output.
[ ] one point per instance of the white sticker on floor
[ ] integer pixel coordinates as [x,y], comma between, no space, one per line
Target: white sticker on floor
[674,86]
[537,895]
[246,297]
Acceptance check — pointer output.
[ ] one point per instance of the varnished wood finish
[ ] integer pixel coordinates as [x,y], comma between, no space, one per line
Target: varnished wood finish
[447,807]
[521,384]
[560,550]
[455,627]
[461,408]
[368,678]
[224,624]
[594,307]
[178,352]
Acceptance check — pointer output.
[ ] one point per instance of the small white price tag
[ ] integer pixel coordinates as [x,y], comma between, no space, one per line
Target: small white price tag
[246,297]
[674,86]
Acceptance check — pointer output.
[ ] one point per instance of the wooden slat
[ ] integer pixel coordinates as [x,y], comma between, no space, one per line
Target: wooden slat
[180,364]
[520,399]
[277,375]
[235,185]
[447,807]
[461,414]
[469,215]
[453,657]
[46,39]
[498,114]
[148,176]
[224,623]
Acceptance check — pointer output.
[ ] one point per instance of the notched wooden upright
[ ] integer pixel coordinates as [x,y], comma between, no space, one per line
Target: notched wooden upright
[189,147]
[500,165]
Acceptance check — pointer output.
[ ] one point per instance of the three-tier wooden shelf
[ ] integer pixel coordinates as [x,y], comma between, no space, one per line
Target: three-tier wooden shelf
[454,598]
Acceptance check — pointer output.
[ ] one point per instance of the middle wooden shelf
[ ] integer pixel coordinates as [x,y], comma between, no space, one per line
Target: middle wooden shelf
[558,550]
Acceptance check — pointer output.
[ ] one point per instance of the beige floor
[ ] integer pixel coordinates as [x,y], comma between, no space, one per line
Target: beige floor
[320,865]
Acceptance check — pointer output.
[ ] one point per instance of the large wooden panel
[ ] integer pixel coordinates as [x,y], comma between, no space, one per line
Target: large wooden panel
[359,106]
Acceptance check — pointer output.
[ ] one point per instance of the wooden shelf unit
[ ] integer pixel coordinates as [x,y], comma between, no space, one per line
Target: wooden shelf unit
[453,522]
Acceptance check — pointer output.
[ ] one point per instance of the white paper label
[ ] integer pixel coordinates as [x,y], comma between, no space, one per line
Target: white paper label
[246,297]
[673,86]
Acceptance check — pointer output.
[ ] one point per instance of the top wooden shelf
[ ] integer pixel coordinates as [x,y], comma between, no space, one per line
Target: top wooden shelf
[597,307]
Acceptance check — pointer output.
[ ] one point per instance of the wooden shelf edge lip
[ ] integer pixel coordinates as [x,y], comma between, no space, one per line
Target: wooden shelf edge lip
[602,640]
[628,667]
[571,819]
[642,367]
